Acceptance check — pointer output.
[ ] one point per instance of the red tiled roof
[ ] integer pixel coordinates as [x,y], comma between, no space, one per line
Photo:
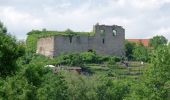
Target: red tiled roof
[145,42]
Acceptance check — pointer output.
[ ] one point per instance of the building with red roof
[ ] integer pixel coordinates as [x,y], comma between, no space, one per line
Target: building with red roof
[145,42]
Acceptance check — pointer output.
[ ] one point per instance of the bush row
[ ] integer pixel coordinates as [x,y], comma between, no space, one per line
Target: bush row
[79,59]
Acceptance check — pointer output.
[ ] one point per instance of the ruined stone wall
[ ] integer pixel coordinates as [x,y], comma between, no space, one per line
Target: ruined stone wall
[66,44]
[108,40]
[45,46]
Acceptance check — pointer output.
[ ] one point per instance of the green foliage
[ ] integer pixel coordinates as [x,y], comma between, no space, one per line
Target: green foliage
[129,47]
[3,29]
[70,60]
[69,32]
[32,43]
[138,91]
[155,81]
[30,58]
[157,41]
[80,59]
[136,52]
[83,87]
[33,74]
[158,74]
[34,82]
[113,59]
[113,90]
[16,88]
[10,51]
[40,59]
[141,53]
[89,57]
[25,59]
[92,57]
[49,85]
[53,88]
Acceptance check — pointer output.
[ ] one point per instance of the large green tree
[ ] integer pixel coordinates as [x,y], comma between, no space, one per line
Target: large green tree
[10,51]
[113,90]
[155,83]
[157,41]
[33,82]
[157,77]
[16,88]
[140,53]
[129,47]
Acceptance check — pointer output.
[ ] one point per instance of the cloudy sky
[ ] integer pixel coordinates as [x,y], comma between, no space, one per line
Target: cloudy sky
[140,18]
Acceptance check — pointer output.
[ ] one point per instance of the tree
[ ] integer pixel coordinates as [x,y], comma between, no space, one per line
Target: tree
[80,86]
[157,41]
[140,53]
[73,59]
[157,76]
[53,87]
[89,57]
[113,90]
[3,29]
[155,83]
[33,82]
[16,88]
[10,51]
[69,32]
[129,47]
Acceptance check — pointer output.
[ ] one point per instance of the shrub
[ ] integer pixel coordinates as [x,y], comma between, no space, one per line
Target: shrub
[113,90]
[70,60]
[89,57]
[111,61]
[10,51]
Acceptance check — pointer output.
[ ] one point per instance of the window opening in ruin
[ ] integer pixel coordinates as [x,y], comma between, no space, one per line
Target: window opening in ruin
[102,32]
[114,32]
[103,41]
[70,37]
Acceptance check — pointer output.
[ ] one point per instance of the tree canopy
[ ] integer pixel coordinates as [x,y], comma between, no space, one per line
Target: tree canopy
[10,51]
[157,41]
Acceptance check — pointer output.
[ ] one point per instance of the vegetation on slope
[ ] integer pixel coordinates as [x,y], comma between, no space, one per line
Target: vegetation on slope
[26,78]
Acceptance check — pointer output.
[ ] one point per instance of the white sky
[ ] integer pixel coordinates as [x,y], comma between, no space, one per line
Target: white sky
[140,18]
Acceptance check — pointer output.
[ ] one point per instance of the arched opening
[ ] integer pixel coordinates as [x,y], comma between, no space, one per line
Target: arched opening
[102,32]
[70,38]
[114,32]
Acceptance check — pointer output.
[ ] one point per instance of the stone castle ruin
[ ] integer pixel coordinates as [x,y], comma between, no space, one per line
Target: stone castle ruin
[107,40]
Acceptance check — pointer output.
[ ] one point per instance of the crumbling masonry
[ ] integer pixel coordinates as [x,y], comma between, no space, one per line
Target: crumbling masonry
[108,40]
